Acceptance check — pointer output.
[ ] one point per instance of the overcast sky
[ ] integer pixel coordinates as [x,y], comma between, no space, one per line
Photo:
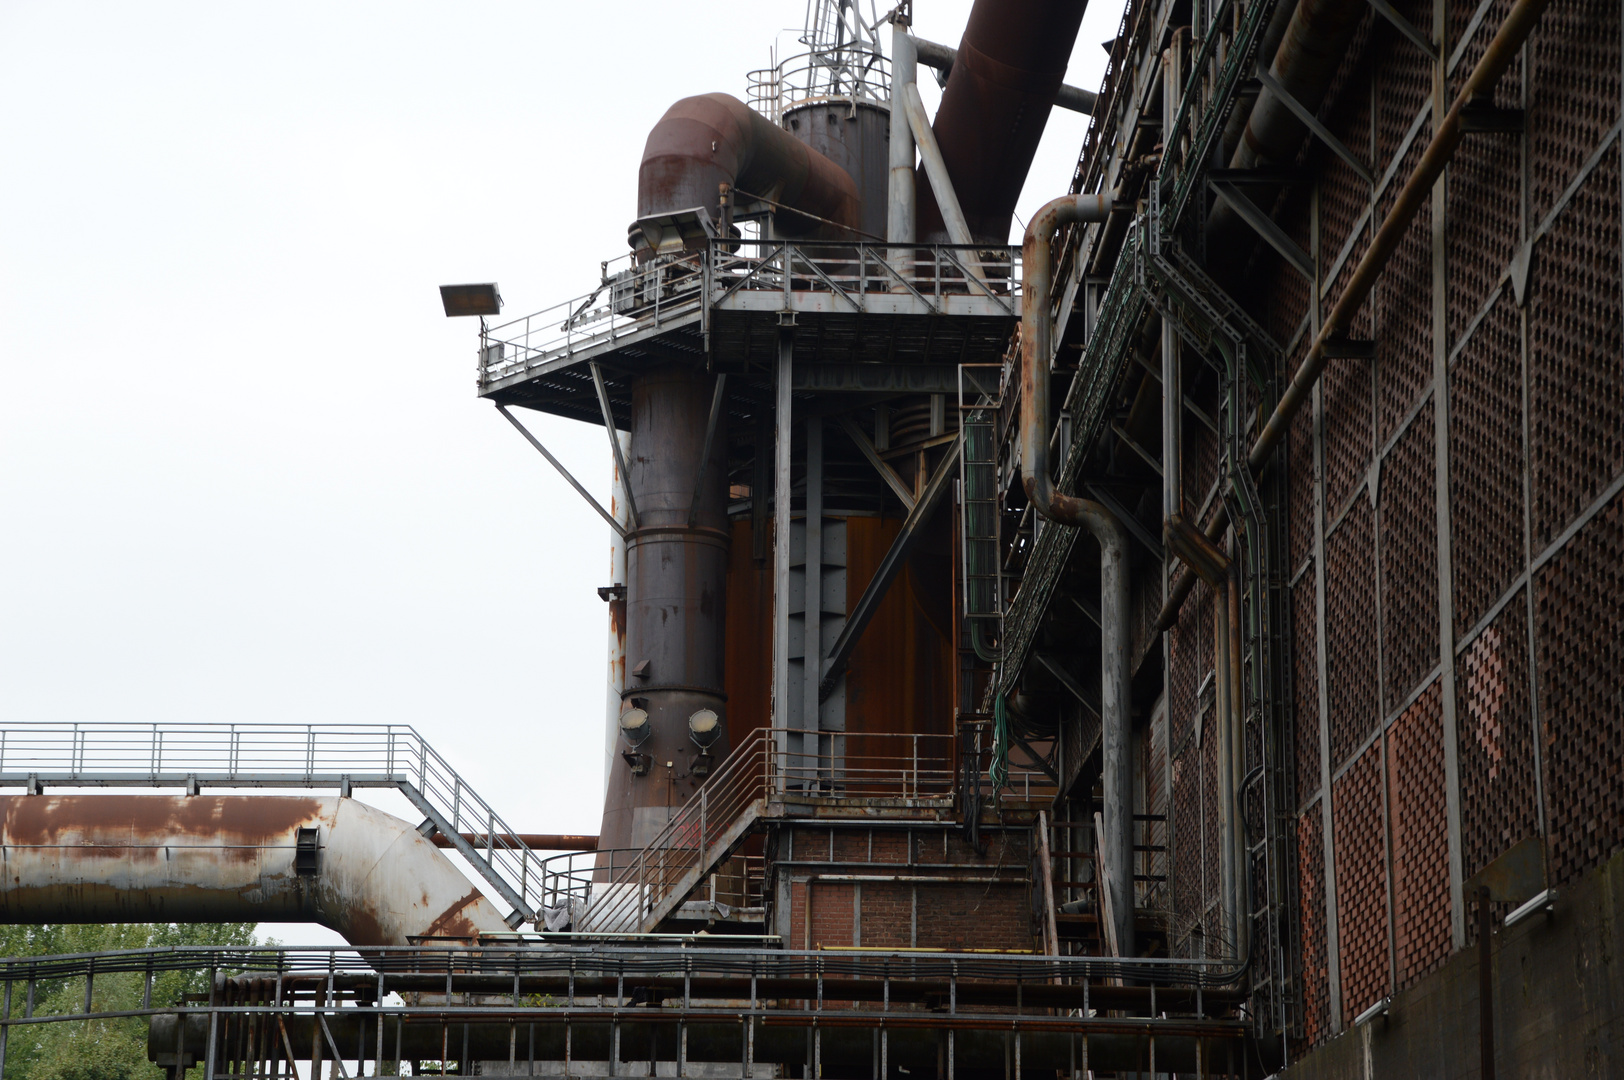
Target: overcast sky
[243,472]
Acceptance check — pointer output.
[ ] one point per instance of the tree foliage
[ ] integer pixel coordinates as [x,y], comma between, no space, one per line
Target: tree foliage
[107,1049]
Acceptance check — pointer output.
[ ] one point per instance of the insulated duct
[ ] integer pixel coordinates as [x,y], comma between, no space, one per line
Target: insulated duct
[1304,64]
[713,139]
[1006,73]
[233,858]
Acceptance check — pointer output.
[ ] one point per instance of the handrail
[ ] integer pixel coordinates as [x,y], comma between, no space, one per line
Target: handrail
[674,290]
[341,756]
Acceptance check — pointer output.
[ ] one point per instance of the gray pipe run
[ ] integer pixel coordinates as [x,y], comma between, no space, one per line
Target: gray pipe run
[233,858]
[844,1051]
[1037,351]
[1304,64]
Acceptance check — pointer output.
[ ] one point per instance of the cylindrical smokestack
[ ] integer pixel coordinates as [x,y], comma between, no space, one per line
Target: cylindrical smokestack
[676,576]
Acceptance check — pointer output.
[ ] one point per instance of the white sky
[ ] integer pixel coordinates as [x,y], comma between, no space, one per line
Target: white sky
[243,473]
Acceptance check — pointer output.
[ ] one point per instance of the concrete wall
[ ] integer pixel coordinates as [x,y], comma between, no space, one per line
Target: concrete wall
[1558,1003]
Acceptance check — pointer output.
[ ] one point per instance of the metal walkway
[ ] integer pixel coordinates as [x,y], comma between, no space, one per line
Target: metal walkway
[191,756]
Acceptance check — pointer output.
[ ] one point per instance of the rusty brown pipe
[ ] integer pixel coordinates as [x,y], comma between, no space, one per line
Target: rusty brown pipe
[232,858]
[1501,51]
[1007,71]
[704,141]
[533,840]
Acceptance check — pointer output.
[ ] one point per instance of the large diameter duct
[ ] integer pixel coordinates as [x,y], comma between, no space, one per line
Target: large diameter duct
[233,858]
[1305,62]
[713,139]
[1037,330]
[1007,71]
[676,579]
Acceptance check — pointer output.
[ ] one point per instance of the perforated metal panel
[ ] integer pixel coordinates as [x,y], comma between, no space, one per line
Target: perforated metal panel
[1486,463]
[1420,838]
[1573,93]
[1409,559]
[1576,355]
[1316,988]
[1361,883]
[1403,313]
[1305,687]
[1581,678]
[1350,608]
[1496,740]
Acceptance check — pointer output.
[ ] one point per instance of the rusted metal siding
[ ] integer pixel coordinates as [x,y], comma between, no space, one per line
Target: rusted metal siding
[901,674]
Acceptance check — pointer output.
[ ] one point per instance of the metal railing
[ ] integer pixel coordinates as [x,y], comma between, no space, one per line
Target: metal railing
[341,756]
[270,1010]
[771,764]
[856,71]
[631,298]
[670,291]
[929,273]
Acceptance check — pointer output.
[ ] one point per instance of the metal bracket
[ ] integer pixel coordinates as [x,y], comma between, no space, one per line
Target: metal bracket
[1405,27]
[614,444]
[1323,133]
[888,474]
[717,398]
[1266,228]
[1483,116]
[565,473]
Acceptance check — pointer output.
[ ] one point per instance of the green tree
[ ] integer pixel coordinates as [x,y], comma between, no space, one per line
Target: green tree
[105,1049]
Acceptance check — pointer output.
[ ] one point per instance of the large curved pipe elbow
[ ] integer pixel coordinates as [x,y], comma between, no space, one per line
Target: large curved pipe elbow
[705,141]
[1037,349]
[1115,662]
[234,858]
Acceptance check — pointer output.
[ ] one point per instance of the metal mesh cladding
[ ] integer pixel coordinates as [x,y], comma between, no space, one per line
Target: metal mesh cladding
[1361,883]
[1581,677]
[1316,988]
[1498,800]
[1420,837]
[1346,394]
[1188,888]
[1403,82]
[1576,355]
[1350,607]
[1403,314]
[1305,687]
[1486,463]
[1409,554]
[1574,93]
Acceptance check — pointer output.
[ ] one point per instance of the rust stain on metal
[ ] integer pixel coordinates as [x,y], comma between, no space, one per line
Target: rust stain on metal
[452,922]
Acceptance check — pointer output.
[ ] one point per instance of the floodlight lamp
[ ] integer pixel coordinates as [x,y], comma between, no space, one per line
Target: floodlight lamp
[704,726]
[635,726]
[481,299]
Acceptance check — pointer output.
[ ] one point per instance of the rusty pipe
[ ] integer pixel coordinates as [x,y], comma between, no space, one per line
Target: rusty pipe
[1519,23]
[233,858]
[1007,71]
[1115,635]
[704,141]
[941,57]
[535,841]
